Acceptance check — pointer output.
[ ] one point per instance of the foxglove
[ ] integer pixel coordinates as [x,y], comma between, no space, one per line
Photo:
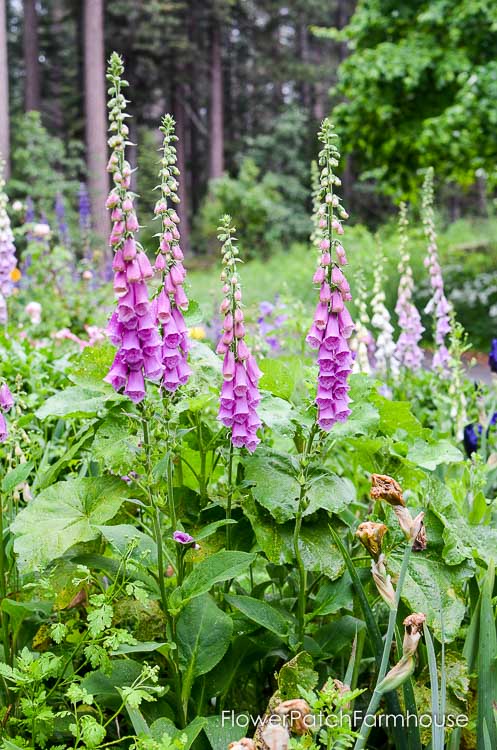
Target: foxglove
[171,298]
[240,393]
[407,351]
[363,340]
[7,251]
[332,326]
[438,304]
[132,326]
[385,361]
[6,404]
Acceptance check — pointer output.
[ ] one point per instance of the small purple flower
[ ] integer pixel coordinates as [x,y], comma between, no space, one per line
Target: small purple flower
[6,398]
[84,207]
[60,213]
[183,538]
[492,357]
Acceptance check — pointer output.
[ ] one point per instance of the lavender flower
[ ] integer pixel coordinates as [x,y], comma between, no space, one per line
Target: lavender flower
[239,394]
[7,251]
[132,327]
[183,538]
[438,304]
[407,350]
[385,362]
[332,324]
[60,213]
[171,298]
[84,208]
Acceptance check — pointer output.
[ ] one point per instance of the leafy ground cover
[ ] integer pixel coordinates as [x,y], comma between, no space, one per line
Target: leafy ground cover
[208,544]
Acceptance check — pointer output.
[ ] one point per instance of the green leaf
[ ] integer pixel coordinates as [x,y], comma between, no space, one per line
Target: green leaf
[92,365]
[329,492]
[114,446]
[75,402]
[318,551]
[221,733]
[296,674]
[65,514]
[222,566]
[260,612]
[277,414]
[123,673]
[336,636]
[203,637]
[163,726]
[273,483]
[430,455]
[487,663]
[397,415]
[121,536]
[16,476]
[280,376]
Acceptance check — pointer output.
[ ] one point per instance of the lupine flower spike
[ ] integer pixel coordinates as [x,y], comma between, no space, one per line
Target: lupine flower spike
[6,404]
[240,393]
[407,350]
[171,299]
[7,251]
[132,326]
[385,361]
[363,340]
[332,325]
[438,304]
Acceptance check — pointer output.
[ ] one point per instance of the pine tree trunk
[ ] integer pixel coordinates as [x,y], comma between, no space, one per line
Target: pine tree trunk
[32,96]
[216,160]
[4,91]
[181,132]
[95,115]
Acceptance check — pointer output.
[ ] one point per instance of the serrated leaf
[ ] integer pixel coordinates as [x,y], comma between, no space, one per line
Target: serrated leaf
[65,514]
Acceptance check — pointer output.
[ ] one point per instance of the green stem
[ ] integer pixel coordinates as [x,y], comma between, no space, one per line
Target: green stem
[376,697]
[3,591]
[230,496]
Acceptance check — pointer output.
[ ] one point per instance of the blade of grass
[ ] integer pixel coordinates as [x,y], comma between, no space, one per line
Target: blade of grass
[412,728]
[391,699]
[436,729]
[487,665]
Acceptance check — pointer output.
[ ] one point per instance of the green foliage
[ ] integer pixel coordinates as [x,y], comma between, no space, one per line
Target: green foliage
[419,86]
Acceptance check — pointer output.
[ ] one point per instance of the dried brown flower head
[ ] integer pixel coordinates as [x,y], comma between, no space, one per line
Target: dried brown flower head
[413,625]
[371,536]
[244,744]
[386,488]
[294,712]
[276,737]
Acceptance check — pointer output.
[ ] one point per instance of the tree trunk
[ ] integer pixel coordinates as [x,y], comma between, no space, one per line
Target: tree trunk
[181,132]
[32,97]
[4,92]
[216,156]
[95,115]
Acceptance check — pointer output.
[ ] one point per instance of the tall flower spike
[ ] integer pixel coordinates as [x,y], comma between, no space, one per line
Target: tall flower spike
[363,340]
[6,404]
[407,350]
[7,251]
[132,326]
[332,324]
[385,361]
[240,393]
[438,304]
[171,298]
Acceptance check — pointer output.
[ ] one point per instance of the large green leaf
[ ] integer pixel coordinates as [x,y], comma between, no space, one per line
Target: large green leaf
[92,365]
[296,674]
[260,612]
[430,455]
[203,637]
[435,588]
[114,446]
[215,569]
[280,376]
[275,487]
[397,415]
[123,536]
[75,402]
[65,514]
[164,726]
[276,540]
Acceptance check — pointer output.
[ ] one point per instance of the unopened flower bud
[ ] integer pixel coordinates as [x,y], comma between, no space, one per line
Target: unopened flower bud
[383,581]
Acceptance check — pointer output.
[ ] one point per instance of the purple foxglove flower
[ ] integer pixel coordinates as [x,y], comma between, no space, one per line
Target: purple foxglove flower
[6,398]
[407,351]
[138,353]
[171,300]
[239,393]
[438,303]
[4,433]
[332,325]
